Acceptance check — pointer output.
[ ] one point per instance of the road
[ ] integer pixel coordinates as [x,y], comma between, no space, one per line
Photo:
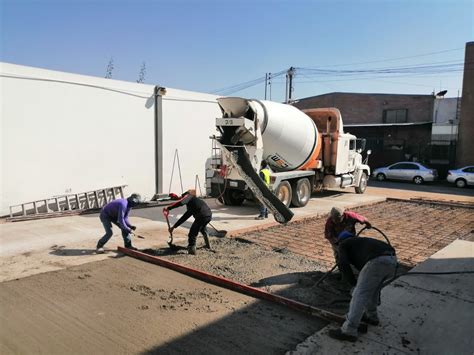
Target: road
[434,191]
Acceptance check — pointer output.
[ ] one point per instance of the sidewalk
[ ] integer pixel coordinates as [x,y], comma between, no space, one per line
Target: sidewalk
[420,314]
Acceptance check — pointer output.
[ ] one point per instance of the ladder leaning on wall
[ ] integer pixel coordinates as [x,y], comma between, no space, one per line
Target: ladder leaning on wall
[94,199]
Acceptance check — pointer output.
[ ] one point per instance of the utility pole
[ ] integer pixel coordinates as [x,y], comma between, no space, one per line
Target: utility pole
[266,84]
[270,85]
[289,84]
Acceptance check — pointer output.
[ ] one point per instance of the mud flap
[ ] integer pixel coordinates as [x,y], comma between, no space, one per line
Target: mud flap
[238,157]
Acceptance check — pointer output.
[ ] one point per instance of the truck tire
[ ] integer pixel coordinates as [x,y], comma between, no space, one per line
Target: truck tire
[284,192]
[301,192]
[362,184]
[233,197]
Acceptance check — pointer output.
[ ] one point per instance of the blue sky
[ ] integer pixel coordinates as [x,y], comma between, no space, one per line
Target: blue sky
[207,45]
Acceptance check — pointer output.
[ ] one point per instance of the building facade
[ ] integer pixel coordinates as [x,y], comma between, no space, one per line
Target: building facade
[396,127]
[465,151]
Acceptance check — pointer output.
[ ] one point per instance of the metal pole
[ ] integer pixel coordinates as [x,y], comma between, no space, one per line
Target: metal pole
[291,71]
[266,83]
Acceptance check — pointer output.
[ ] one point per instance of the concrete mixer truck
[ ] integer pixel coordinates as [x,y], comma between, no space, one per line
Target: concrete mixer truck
[306,151]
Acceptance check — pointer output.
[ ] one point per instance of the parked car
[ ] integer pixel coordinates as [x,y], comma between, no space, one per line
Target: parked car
[462,177]
[406,171]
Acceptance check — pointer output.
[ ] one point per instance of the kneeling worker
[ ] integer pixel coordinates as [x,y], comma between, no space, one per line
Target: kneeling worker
[377,263]
[202,216]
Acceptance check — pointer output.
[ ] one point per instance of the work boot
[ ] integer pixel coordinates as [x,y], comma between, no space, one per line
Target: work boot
[339,335]
[206,241]
[100,250]
[192,249]
[260,217]
[370,319]
[266,215]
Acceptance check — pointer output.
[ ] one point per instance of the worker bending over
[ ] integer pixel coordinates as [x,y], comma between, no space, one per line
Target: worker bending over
[202,216]
[377,263]
[339,221]
[116,212]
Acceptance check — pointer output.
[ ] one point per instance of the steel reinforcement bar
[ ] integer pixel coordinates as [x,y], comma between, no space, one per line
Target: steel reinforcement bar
[241,288]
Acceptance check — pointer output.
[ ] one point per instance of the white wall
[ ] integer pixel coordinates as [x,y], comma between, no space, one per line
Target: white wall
[188,121]
[67,133]
[444,110]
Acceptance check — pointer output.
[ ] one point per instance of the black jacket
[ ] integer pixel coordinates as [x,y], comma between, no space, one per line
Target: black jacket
[194,207]
[358,251]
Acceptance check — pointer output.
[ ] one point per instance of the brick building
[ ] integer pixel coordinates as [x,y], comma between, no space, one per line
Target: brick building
[465,150]
[396,127]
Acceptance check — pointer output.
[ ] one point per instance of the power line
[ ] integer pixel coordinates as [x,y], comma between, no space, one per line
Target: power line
[394,59]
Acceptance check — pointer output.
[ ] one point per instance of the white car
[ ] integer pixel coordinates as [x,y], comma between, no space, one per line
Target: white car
[462,177]
[406,170]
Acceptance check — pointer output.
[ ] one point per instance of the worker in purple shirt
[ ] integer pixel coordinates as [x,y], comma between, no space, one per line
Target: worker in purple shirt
[116,212]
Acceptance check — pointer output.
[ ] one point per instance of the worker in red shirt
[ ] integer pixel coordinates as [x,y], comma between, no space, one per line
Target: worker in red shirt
[340,221]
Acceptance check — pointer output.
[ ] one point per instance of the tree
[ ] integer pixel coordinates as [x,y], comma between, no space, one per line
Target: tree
[110,68]
[141,75]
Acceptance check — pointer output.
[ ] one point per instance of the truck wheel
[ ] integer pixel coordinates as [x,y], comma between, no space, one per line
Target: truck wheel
[301,193]
[284,193]
[233,197]
[362,184]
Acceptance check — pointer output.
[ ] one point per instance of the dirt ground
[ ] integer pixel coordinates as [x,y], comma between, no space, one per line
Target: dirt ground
[123,305]
[276,271]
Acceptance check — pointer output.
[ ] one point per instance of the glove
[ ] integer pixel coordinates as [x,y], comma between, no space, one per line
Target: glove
[133,228]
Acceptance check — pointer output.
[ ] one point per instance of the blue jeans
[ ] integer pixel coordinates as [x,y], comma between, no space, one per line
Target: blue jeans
[263,211]
[366,294]
[107,223]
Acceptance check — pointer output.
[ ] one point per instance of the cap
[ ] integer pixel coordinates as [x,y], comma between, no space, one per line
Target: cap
[336,213]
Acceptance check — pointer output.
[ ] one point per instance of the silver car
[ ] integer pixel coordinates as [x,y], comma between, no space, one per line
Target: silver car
[462,177]
[408,170]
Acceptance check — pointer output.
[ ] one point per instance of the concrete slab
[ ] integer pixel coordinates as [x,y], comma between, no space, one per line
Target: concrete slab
[423,314]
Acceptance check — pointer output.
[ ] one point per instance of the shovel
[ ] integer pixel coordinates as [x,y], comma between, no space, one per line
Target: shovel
[170,240]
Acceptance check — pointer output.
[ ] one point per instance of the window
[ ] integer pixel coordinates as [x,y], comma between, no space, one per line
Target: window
[352,144]
[469,169]
[396,166]
[395,116]
[404,166]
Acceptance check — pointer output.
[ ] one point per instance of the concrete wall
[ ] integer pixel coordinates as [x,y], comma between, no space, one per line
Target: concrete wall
[465,147]
[445,110]
[66,133]
[188,121]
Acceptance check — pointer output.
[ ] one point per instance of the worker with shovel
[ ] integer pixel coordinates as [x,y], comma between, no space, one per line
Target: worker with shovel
[202,214]
[116,212]
[339,221]
[377,263]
